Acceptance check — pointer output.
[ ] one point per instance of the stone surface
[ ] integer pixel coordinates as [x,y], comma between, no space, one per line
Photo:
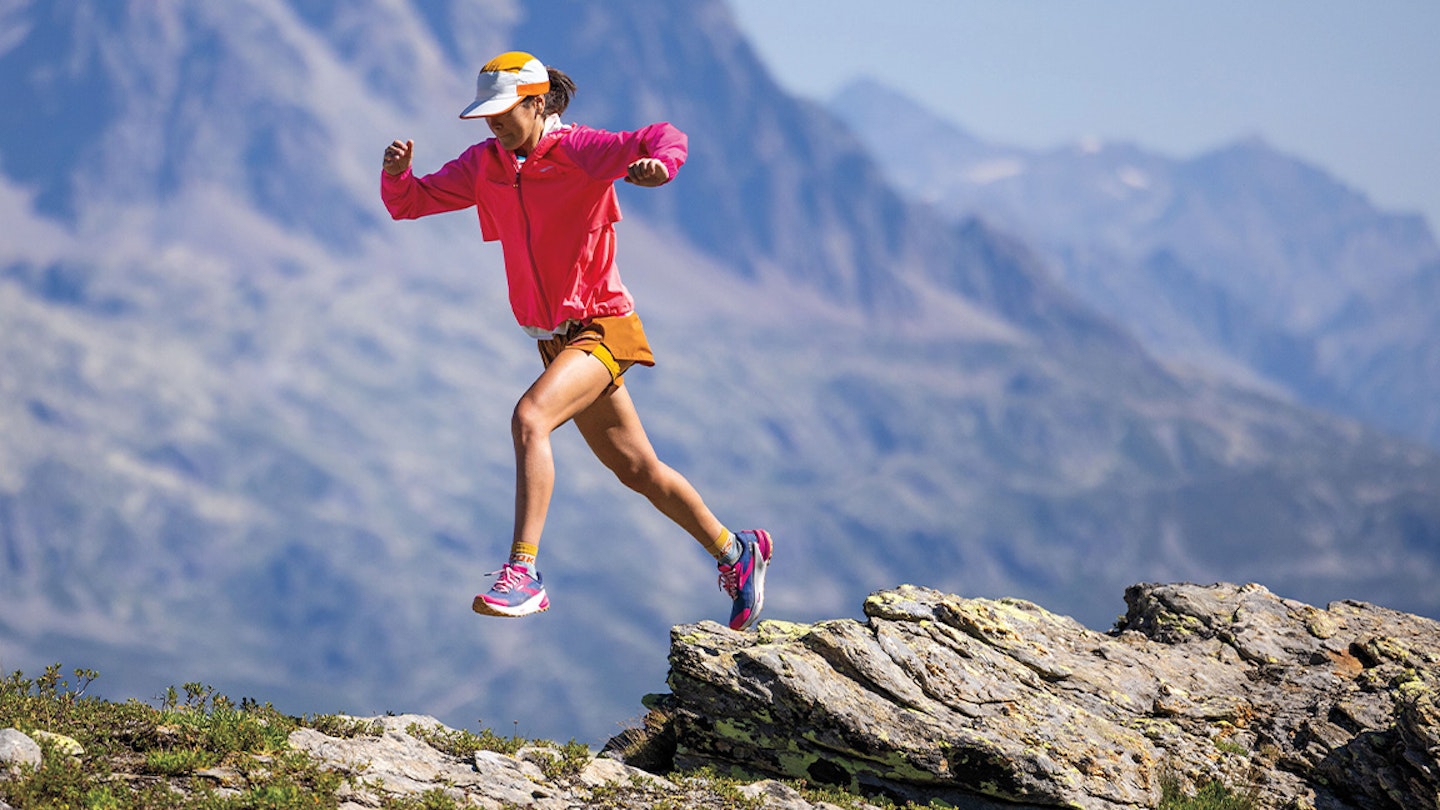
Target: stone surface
[17,750]
[991,703]
[398,765]
[66,746]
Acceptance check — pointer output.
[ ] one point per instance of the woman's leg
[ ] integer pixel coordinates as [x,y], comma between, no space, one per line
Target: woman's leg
[611,426]
[577,386]
[569,386]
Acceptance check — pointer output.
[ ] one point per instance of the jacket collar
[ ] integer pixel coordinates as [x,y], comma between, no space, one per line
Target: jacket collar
[548,136]
[551,133]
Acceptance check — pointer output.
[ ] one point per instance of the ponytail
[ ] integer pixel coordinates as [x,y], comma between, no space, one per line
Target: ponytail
[562,87]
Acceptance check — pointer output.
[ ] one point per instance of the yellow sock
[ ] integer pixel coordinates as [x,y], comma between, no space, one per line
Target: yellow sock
[523,553]
[722,548]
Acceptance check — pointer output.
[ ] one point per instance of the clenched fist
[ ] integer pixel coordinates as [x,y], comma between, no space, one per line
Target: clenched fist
[397,157]
[647,172]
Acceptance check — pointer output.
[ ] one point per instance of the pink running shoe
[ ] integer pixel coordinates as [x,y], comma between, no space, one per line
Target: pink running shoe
[518,592]
[745,580]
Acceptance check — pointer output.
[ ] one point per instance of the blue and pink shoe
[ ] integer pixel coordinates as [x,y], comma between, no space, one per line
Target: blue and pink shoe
[518,592]
[744,581]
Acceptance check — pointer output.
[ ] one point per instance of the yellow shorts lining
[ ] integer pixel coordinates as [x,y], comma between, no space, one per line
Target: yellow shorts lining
[602,353]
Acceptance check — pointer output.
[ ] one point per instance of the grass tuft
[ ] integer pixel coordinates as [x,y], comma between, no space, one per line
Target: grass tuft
[459,743]
[1212,795]
[138,756]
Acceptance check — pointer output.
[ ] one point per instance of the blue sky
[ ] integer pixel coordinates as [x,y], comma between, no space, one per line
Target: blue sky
[1353,87]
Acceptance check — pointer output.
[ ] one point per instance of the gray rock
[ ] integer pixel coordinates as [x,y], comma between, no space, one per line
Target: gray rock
[17,751]
[990,703]
[398,765]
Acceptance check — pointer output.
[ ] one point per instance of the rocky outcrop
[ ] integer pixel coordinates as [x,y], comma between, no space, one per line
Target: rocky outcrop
[394,762]
[997,703]
[414,761]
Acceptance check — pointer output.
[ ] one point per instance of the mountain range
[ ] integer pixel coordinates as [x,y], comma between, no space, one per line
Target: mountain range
[1242,260]
[254,431]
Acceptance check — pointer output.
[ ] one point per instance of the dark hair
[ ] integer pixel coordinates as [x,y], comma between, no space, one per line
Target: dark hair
[562,87]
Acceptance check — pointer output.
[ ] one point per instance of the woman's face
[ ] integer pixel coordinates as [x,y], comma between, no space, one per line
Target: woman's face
[518,130]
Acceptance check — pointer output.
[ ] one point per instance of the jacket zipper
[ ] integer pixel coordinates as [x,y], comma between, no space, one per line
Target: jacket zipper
[530,248]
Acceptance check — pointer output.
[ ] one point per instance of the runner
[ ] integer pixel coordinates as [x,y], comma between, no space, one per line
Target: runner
[546,191]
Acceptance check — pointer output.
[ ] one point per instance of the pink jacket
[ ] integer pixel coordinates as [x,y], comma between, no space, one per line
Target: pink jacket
[554,214]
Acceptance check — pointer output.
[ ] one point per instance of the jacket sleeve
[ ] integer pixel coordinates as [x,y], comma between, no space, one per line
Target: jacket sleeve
[449,189]
[607,155]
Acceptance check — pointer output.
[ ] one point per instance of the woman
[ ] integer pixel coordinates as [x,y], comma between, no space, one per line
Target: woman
[545,190]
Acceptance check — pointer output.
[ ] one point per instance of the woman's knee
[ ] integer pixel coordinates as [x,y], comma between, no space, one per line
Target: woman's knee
[528,421]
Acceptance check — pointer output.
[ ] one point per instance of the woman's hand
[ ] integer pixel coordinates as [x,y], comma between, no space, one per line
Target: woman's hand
[648,172]
[397,157]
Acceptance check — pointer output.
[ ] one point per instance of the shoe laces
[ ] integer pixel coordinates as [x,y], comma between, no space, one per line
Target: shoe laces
[511,578]
[730,580]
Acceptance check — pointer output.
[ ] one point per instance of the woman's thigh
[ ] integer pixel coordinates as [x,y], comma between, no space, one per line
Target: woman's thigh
[570,385]
[612,428]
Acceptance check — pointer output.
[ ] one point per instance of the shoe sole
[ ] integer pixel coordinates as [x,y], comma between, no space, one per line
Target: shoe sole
[762,561]
[539,603]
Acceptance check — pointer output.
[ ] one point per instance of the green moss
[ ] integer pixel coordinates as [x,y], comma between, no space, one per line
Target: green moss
[1155,728]
[692,639]
[771,631]
[732,729]
[1414,688]
[1182,623]
[1025,611]
[796,763]
[899,767]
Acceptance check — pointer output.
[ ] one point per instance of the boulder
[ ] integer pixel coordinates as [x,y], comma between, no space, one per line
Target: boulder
[397,764]
[998,703]
[63,745]
[392,763]
[17,750]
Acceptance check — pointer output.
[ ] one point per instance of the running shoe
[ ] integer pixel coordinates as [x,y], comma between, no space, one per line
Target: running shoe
[745,580]
[518,592]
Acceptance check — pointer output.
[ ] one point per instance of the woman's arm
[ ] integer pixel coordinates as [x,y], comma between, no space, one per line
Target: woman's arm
[409,197]
[611,155]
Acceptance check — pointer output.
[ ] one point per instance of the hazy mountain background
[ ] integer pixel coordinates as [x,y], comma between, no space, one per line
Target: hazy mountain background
[1242,260]
[253,433]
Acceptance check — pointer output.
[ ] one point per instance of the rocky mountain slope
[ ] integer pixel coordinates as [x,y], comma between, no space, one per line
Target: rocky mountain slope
[252,433]
[403,761]
[989,703]
[982,704]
